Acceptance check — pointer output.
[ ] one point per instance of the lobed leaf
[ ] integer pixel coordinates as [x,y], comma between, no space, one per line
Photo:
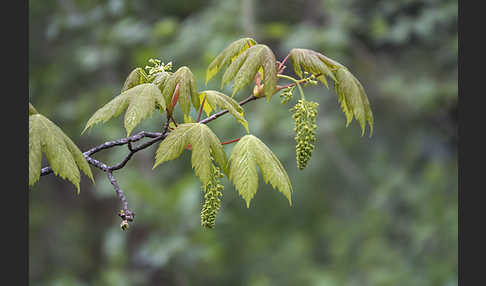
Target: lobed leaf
[187,90]
[353,99]
[216,99]
[314,63]
[205,146]
[248,153]
[160,78]
[139,102]
[136,77]
[227,56]
[244,68]
[351,95]
[63,155]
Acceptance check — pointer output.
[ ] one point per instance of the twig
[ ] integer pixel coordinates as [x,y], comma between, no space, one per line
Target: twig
[280,87]
[126,214]
[109,144]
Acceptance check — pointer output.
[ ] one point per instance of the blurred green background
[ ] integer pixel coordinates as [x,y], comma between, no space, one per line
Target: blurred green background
[366,211]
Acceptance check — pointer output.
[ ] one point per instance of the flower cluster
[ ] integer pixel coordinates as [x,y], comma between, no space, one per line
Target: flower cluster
[158,66]
[212,199]
[309,79]
[286,94]
[305,113]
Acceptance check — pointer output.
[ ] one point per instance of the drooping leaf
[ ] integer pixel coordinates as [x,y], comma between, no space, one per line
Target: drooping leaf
[205,146]
[353,99]
[249,153]
[351,95]
[367,107]
[63,155]
[244,68]
[227,56]
[160,79]
[139,102]
[136,77]
[314,63]
[187,90]
[216,99]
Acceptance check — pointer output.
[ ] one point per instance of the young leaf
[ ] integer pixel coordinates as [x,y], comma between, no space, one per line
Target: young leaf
[353,99]
[246,155]
[187,89]
[63,155]
[313,62]
[160,79]
[139,101]
[217,99]
[350,92]
[204,145]
[136,77]
[244,68]
[227,56]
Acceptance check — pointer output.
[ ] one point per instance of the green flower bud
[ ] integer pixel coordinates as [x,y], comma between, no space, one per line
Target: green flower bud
[286,94]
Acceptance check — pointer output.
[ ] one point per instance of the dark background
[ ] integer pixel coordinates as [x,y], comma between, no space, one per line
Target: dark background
[366,211]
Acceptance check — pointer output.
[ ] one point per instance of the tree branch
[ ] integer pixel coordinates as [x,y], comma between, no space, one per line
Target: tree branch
[126,214]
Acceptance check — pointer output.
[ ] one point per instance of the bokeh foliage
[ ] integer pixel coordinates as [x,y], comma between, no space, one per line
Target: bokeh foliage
[365,211]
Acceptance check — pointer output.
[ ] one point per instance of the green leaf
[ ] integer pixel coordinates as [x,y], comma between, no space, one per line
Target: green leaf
[205,146]
[353,99]
[244,68]
[314,63]
[216,99]
[351,95]
[249,153]
[206,106]
[160,78]
[187,90]
[139,101]
[136,77]
[227,56]
[63,155]
[188,119]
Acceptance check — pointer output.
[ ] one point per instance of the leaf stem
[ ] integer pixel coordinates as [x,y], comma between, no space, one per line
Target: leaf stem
[173,120]
[297,82]
[280,70]
[201,108]
[231,141]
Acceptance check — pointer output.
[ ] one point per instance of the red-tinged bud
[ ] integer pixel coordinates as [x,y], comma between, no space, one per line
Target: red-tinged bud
[175,98]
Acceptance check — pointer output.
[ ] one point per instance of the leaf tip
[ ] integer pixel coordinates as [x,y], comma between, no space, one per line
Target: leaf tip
[155,165]
[84,130]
